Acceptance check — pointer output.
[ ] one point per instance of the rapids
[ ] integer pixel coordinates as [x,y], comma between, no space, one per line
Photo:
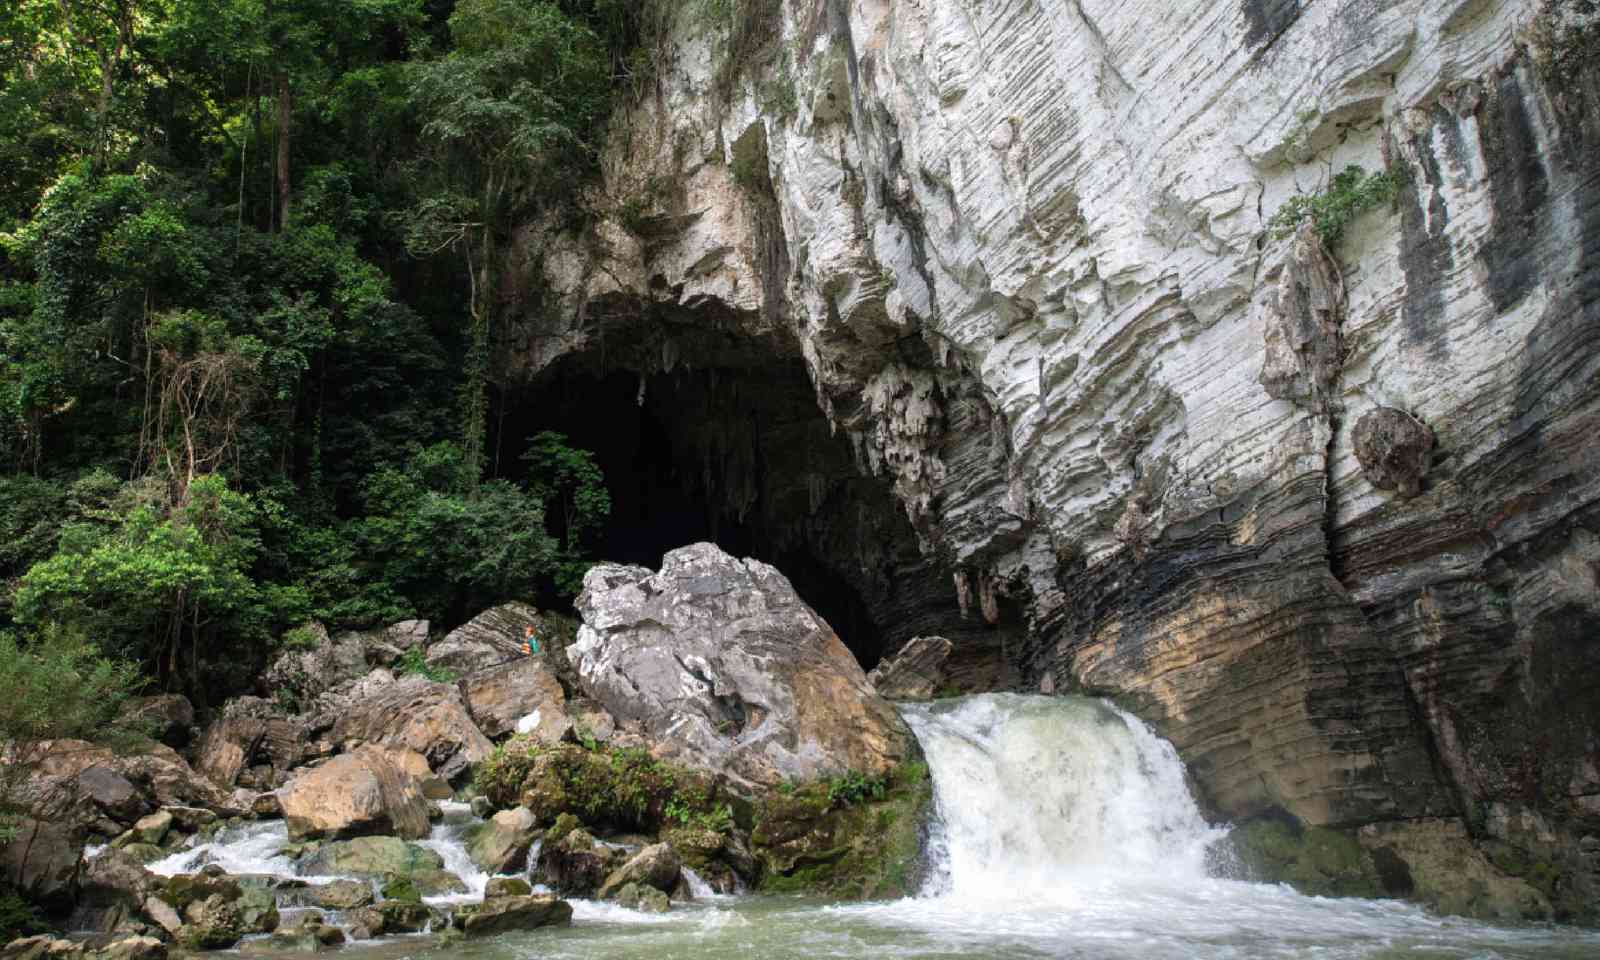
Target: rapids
[1064,829]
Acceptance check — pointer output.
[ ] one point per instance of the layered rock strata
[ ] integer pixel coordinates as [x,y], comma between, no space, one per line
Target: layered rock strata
[1027,253]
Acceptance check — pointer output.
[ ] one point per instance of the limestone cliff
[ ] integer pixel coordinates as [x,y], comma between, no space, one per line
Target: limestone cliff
[1328,517]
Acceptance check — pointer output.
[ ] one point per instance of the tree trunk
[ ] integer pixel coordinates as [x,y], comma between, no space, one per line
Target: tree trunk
[284,111]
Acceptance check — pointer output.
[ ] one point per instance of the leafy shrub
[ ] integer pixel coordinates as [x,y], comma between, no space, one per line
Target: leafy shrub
[412,663]
[1351,193]
[855,787]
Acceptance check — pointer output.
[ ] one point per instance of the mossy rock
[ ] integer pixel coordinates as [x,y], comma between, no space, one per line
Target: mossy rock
[868,849]
[370,857]
[400,889]
[1317,861]
[180,891]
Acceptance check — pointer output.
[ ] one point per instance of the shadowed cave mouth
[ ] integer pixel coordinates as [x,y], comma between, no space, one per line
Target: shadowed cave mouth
[741,456]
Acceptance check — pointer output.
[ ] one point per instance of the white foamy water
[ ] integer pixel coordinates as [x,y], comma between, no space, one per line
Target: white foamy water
[448,839]
[249,848]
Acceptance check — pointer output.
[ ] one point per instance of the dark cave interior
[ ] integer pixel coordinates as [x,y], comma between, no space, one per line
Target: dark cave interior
[741,457]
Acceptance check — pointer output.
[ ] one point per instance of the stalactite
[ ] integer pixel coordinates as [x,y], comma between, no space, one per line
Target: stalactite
[963,592]
[988,599]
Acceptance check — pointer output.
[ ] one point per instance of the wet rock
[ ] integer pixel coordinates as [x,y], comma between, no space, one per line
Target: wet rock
[1393,448]
[143,852]
[338,895]
[258,909]
[1434,861]
[501,844]
[437,883]
[42,947]
[131,948]
[42,862]
[311,934]
[491,638]
[505,914]
[645,899]
[355,794]
[163,915]
[266,806]
[369,857]
[215,923]
[915,673]
[522,695]
[482,807]
[655,866]
[402,916]
[1317,861]
[576,864]
[152,829]
[190,819]
[506,887]
[420,715]
[729,671]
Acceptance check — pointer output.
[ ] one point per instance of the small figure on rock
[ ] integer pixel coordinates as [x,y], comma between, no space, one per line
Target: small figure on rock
[530,640]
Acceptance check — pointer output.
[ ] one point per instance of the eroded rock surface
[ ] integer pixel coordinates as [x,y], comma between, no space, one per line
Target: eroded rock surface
[915,672]
[354,794]
[727,670]
[1026,254]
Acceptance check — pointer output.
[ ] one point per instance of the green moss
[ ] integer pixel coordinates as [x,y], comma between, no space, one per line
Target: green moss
[400,888]
[621,788]
[1317,861]
[836,838]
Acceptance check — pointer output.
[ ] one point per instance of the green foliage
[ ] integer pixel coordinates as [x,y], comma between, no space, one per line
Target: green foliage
[621,787]
[855,787]
[54,685]
[303,637]
[568,479]
[412,662]
[18,918]
[1351,193]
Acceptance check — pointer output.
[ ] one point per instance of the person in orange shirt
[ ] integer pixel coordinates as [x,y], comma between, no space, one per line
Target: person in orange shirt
[530,642]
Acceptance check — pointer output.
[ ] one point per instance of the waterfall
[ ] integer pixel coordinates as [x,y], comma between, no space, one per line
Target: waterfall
[1037,796]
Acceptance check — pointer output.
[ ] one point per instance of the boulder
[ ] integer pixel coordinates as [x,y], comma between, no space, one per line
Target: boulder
[916,672]
[190,819]
[266,806]
[112,793]
[362,793]
[506,887]
[504,914]
[522,695]
[42,862]
[301,675]
[143,852]
[167,717]
[162,914]
[642,898]
[338,895]
[590,721]
[421,715]
[727,670]
[437,883]
[112,888]
[501,844]
[1394,449]
[369,857]
[250,732]
[576,864]
[384,647]
[258,909]
[399,916]
[42,947]
[215,923]
[655,866]
[309,935]
[152,829]
[492,637]
[132,948]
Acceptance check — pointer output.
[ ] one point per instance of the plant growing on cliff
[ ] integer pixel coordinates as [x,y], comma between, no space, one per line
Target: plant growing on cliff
[1349,194]
[414,663]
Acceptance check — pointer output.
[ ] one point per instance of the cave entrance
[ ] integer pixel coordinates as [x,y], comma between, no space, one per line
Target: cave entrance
[738,454]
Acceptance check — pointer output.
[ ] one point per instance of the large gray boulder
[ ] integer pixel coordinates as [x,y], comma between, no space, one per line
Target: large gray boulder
[655,866]
[418,714]
[501,844]
[492,637]
[522,695]
[728,670]
[504,914]
[355,794]
[252,732]
[42,862]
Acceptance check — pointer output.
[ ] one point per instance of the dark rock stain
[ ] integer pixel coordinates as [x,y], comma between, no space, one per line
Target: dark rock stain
[1425,253]
[1518,191]
[1266,20]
